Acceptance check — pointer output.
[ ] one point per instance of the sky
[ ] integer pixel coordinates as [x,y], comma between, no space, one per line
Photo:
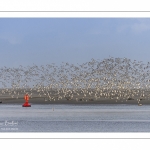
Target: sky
[41,41]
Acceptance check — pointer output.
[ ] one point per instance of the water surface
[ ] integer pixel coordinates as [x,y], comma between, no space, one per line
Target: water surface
[75,118]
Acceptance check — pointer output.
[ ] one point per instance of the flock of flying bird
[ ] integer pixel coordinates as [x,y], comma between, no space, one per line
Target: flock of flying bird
[112,78]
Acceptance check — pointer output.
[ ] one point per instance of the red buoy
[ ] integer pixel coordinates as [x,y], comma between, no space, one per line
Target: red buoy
[26,104]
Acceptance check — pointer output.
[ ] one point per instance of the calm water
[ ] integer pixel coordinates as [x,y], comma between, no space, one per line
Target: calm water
[75,118]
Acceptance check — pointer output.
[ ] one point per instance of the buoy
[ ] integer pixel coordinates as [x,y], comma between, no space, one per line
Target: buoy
[26,104]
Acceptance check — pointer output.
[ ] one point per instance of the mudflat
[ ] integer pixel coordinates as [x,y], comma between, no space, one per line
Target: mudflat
[45,100]
[35,98]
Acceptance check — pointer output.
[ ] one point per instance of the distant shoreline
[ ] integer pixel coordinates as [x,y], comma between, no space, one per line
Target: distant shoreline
[17,97]
[42,100]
